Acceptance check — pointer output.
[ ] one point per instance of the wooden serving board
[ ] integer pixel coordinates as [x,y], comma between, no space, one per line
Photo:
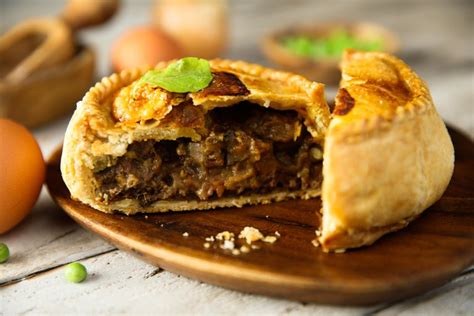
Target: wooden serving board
[433,249]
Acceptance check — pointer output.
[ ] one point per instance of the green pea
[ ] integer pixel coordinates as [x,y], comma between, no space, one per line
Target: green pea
[75,272]
[4,253]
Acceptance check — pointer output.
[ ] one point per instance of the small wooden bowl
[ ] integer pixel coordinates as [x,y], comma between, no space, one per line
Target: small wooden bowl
[324,70]
[48,93]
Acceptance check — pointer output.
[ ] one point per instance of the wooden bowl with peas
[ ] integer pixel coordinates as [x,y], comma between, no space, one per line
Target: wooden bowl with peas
[314,51]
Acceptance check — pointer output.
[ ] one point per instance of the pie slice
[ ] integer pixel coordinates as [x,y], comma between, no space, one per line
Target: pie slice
[254,135]
[387,153]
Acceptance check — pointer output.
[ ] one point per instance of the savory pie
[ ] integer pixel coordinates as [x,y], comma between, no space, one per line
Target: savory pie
[256,135]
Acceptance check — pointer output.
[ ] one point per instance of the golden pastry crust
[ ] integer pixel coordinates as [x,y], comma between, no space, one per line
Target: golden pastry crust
[388,155]
[105,123]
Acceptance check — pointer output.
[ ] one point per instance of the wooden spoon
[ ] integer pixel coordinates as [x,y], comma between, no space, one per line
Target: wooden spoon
[44,71]
[41,43]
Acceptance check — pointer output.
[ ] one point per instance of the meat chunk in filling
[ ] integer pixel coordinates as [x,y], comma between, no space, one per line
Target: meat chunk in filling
[244,149]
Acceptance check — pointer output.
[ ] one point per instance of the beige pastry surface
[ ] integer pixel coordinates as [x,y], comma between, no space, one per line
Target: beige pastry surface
[388,155]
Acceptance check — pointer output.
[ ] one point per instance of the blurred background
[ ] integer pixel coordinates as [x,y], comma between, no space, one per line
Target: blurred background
[434,36]
[47,65]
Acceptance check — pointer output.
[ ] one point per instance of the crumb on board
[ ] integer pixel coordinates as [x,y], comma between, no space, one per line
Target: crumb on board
[185,234]
[225,235]
[227,240]
[269,239]
[315,243]
[244,249]
[250,234]
[317,232]
[228,244]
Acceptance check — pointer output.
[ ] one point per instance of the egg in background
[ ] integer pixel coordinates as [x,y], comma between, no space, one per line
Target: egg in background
[142,46]
[22,173]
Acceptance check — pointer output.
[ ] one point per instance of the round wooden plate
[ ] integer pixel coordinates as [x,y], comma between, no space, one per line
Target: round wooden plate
[433,249]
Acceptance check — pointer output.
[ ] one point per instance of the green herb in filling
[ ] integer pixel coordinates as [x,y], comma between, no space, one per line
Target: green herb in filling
[331,46]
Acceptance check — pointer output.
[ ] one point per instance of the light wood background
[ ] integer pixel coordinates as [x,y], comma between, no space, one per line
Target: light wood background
[437,41]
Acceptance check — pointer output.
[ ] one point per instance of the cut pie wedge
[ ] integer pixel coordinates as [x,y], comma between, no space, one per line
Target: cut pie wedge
[256,135]
[387,155]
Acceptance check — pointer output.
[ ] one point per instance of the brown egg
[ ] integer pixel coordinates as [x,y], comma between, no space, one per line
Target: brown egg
[145,45]
[22,173]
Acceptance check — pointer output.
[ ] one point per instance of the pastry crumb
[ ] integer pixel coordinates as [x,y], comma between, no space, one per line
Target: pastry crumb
[269,239]
[250,234]
[146,216]
[317,232]
[339,250]
[244,249]
[228,244]
[185,234]
[210,238]
[315,243]
[225,235]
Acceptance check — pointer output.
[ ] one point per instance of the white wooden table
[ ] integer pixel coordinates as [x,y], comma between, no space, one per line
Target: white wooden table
[437,39]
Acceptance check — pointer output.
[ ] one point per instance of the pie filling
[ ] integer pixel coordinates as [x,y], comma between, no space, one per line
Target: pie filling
[244,149]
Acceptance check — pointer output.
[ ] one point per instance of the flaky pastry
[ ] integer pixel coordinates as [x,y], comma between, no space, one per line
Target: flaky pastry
[387,154]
